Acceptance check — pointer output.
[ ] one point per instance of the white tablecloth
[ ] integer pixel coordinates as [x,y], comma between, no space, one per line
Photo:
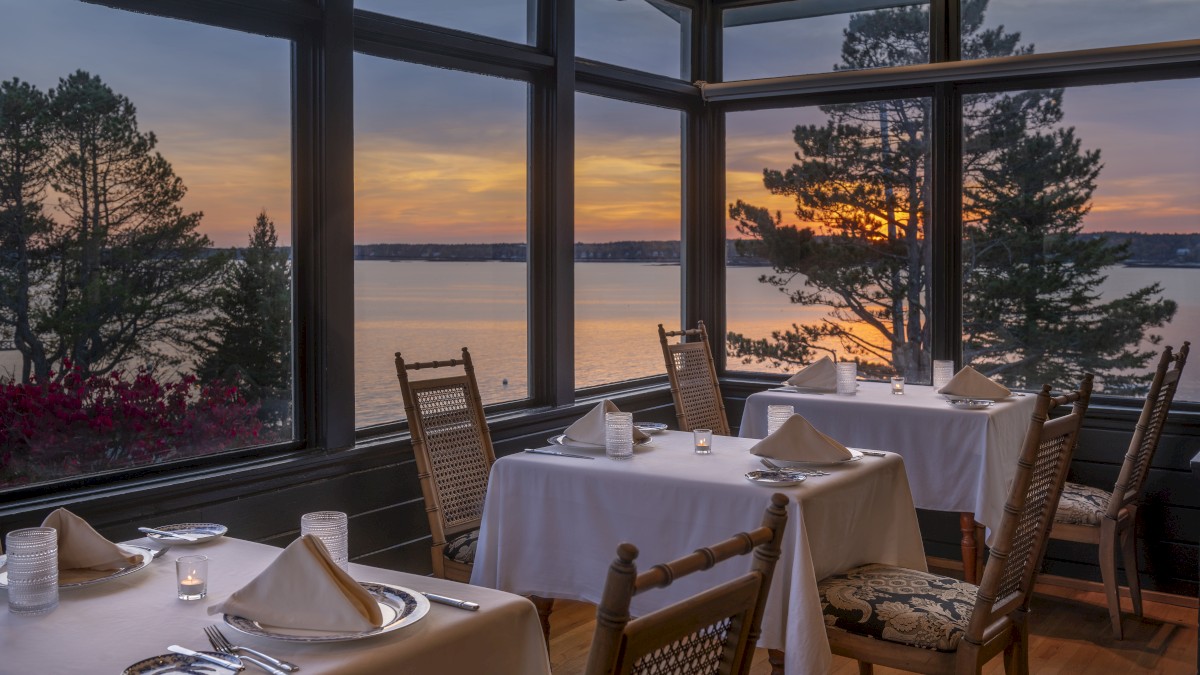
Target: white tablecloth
[957,460]
[551,526]
[104,628]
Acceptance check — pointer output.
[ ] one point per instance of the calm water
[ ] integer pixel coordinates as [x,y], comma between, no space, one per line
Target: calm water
[419,308]
[430,310]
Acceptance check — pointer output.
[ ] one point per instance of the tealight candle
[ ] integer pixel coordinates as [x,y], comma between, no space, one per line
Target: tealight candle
[191,571]
[897,386]
[703,439]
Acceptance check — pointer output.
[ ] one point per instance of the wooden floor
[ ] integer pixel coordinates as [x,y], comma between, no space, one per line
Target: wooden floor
[1070,629]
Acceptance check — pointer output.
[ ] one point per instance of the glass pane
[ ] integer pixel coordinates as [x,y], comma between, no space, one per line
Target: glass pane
[649,35]
[828,254]
[439,210]
[1064,25]
[627,229]
[1081,244]
[797,37]
[145,290]
[504,19]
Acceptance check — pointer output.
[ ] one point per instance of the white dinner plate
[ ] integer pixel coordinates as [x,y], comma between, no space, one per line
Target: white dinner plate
[774,478]
[970,403]
[562,441]
[400,606]
[203,531]
[146,556]
[650,427]
[855,455]
[176,663]
[994,399]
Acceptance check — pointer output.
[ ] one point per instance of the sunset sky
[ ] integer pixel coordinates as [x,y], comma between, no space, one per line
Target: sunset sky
[440,155]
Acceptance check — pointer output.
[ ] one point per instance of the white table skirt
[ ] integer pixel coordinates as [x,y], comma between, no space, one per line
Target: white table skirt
[104,628]
[551,526]
[957,460]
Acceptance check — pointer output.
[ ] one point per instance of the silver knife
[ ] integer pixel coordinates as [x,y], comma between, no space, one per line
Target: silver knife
[231,665]
[453,602]
[174,535]
[544,451]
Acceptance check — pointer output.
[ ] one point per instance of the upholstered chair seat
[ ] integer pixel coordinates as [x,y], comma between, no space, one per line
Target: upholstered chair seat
[899,605]
[1082,505]
[461,549]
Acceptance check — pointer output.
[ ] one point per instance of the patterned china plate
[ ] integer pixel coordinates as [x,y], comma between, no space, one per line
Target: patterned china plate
[994,399]
[774,478]
[970,403]
[855,455]
[175,663]
[650,427]
[203,531]
[146,556]
[400,607]
[563,441]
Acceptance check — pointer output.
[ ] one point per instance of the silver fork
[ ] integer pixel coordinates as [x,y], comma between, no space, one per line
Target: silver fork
[221,644]
[772,465]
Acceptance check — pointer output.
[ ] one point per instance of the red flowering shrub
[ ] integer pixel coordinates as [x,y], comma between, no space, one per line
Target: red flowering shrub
[90,423]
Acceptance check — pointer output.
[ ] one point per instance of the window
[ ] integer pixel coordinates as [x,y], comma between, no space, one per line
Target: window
[146,283]
[1062,25]
[835,225]
[649,35]
[440,220]
[504,19]
[799,37]
[627,229]
[1081,233]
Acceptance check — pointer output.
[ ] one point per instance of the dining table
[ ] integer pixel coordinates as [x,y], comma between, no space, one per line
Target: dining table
[552,523]
[104,628]
[959,458]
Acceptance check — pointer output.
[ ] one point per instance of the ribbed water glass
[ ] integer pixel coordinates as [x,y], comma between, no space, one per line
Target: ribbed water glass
[847,378]
[332,528]
[943,371]
[777,415]
[618,435]
[32,570]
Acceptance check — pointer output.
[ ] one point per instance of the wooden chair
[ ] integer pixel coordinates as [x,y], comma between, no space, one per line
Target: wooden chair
[928,623]
[693,375]
[713,633]
[454,455]
[1108,520]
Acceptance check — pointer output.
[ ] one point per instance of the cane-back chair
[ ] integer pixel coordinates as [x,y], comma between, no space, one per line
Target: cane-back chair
[693,376]
[711,633]
[454,456]
[929,623]
[1091,515]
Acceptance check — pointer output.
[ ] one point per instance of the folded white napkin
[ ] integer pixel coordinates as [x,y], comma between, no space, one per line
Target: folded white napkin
[974,384]
[820,374]
[590,427]
[82,552]
[304,588]
[799,441]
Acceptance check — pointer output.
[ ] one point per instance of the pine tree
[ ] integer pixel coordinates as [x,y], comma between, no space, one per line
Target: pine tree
[862,178]
[118,273]
[249,336]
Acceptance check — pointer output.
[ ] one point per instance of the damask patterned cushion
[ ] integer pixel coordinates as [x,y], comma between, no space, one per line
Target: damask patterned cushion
[461,549]
[1082,505]
[899,605]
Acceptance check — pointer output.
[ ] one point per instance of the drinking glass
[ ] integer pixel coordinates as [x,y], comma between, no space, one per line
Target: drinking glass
[618,435]
[897,386]
[332,528]
[32,570]
[847,378]
[943,371]
[191,575]
[777,415]
[703,441]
